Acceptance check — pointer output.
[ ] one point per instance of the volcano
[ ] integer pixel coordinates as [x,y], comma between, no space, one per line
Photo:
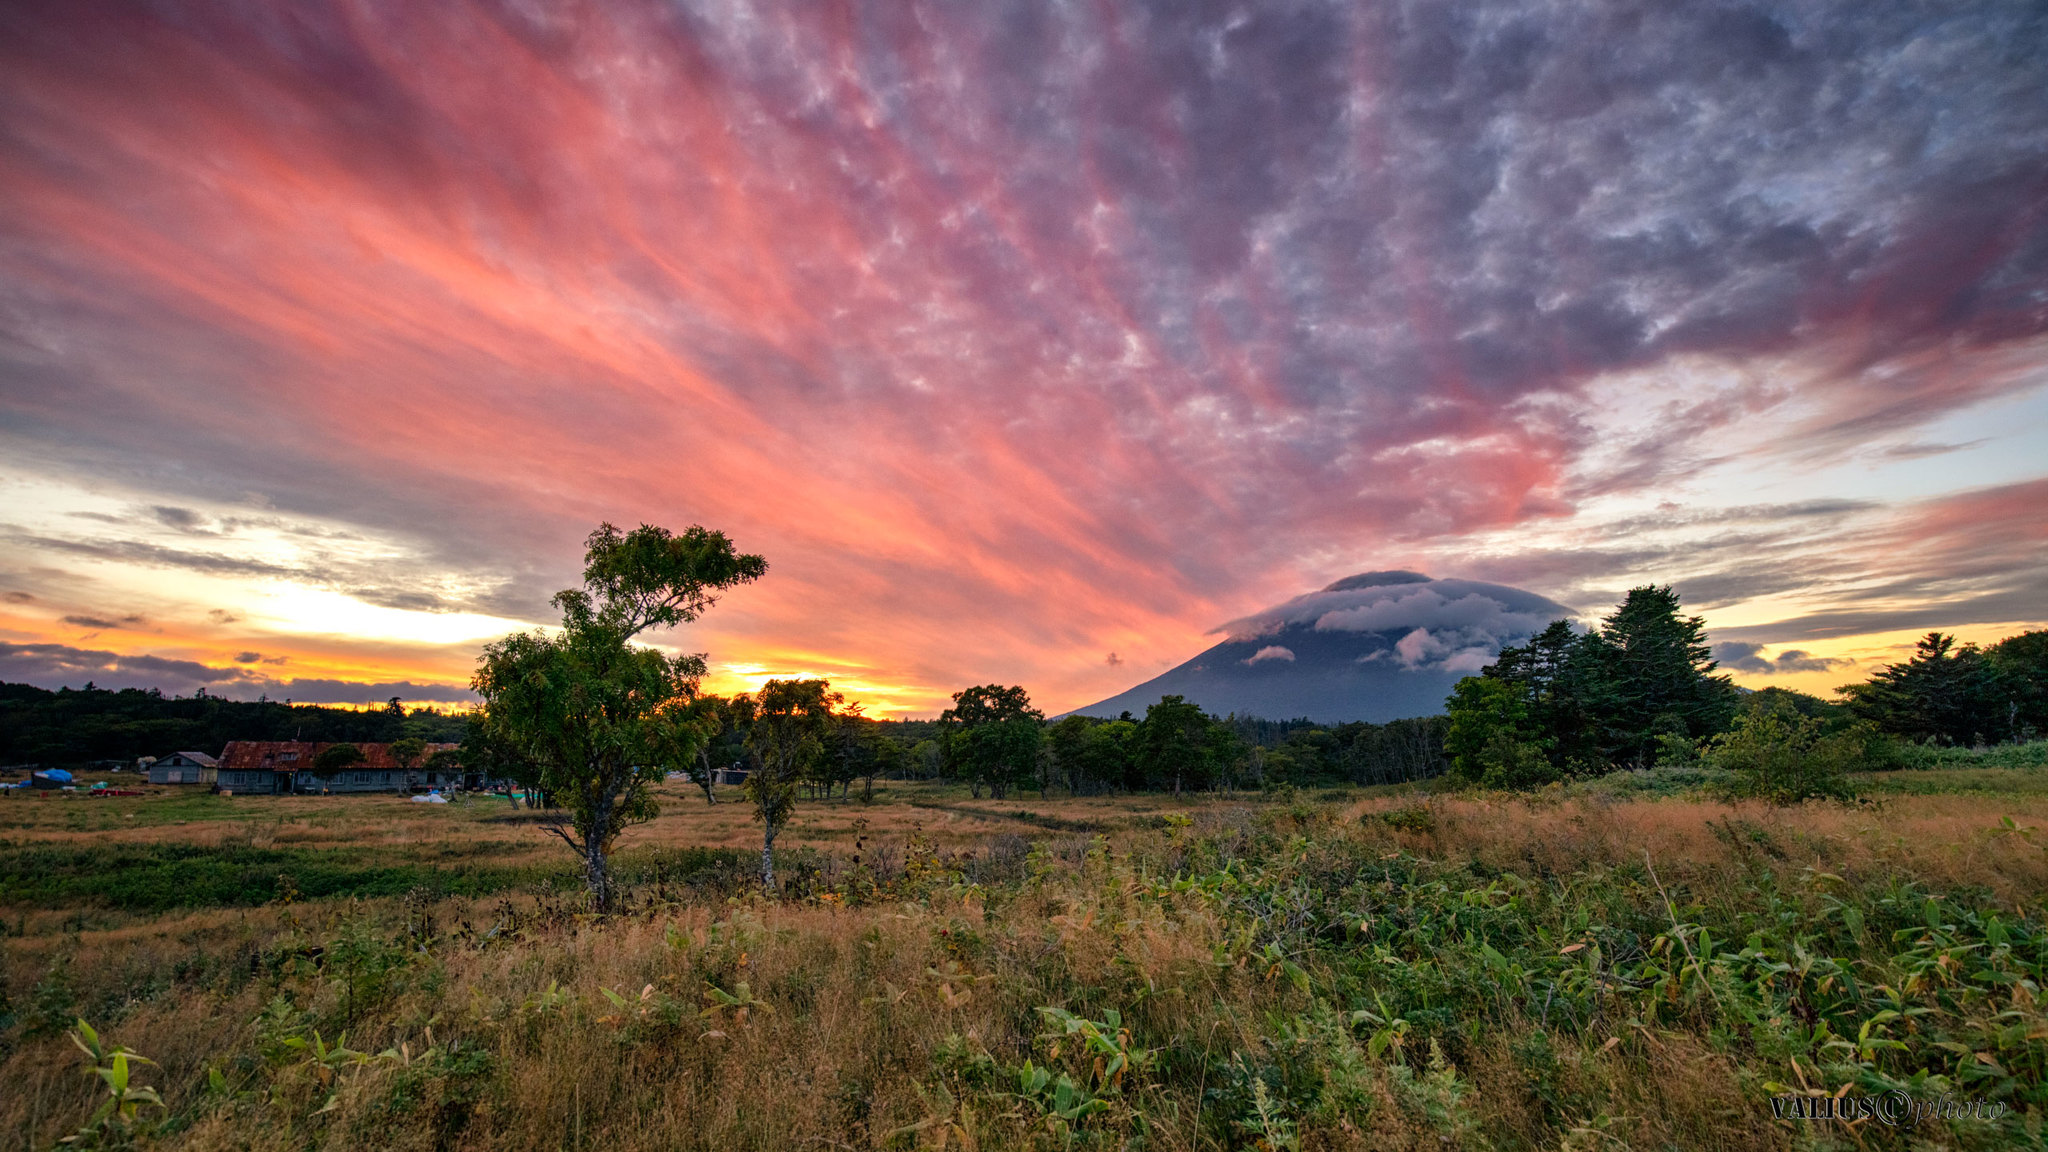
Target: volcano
[1377,646]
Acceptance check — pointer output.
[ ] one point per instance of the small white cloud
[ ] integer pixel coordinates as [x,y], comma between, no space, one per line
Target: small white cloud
[1469,660]
[1271,652]
[1418,647]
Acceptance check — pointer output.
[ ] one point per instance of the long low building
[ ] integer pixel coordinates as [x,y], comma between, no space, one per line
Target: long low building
[286,766]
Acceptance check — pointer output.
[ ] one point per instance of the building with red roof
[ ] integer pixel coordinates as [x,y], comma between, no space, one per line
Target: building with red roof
[283,766]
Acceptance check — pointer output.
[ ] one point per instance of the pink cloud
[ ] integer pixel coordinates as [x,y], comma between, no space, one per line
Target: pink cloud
[1005,341]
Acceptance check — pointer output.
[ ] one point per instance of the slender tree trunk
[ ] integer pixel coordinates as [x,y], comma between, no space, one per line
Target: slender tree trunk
[596,862]
[704,779]
[768,856]
[597,874]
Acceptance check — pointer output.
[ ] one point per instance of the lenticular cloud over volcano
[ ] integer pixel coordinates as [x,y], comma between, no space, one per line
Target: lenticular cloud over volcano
[1450,621]
[1376,646]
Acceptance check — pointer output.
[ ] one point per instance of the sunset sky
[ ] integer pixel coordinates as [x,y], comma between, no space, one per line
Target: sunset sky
[1030,342]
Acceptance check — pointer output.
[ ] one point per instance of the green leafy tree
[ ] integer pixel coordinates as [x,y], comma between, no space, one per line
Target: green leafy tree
[599,719]
[1557,673]
[337,758]
[1399,750]
[726,744]
[1066,743]
[1112,753]
[787,724]
[445,764]
[860,750]
[927,759]
[993,734]
[408,752]
[2021,663]
[1090,754]
[487,751]
[1174,743]
[1491,739]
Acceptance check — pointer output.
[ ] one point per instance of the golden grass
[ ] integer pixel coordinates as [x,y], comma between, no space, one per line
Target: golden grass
[884,1016]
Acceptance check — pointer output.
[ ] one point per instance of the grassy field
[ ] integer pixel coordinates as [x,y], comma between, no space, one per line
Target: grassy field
[1628,965]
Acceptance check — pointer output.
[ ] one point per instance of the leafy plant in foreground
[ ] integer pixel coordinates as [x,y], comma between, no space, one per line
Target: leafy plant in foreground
[118,1119]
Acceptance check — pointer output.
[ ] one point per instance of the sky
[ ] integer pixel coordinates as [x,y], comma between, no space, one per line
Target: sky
[1030,342]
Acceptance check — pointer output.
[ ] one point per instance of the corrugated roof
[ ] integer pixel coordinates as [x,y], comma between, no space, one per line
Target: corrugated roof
[201,758]
[295,755]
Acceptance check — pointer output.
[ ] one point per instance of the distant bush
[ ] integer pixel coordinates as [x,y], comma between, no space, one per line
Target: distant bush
[2033,754]
[1412,818]
[1687,779]
[1779,754]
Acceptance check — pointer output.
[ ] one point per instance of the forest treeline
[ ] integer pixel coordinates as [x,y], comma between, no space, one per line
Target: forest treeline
[995,742]
[1642,691]
[1638,691]
[71,727]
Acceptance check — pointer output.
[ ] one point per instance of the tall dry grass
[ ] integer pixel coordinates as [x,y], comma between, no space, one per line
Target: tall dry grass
[907,1015]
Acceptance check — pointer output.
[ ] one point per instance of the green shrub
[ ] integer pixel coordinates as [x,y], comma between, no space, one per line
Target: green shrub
[1782,756]
[2032,754]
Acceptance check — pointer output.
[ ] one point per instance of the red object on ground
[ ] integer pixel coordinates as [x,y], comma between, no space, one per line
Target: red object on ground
[113,792]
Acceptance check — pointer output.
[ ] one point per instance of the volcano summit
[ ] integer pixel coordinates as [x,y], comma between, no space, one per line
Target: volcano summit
[1376,646]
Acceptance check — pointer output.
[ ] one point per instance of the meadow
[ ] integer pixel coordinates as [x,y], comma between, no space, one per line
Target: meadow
[1629,963]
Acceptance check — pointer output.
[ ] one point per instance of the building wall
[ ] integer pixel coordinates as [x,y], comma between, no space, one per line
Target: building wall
[369,780]
[178,770]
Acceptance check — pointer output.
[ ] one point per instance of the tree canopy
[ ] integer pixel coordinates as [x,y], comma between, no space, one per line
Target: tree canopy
[787,723]
[993,734]
[1591,702]
[337,758]
[76,725]
[596,719]
[1954,694]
